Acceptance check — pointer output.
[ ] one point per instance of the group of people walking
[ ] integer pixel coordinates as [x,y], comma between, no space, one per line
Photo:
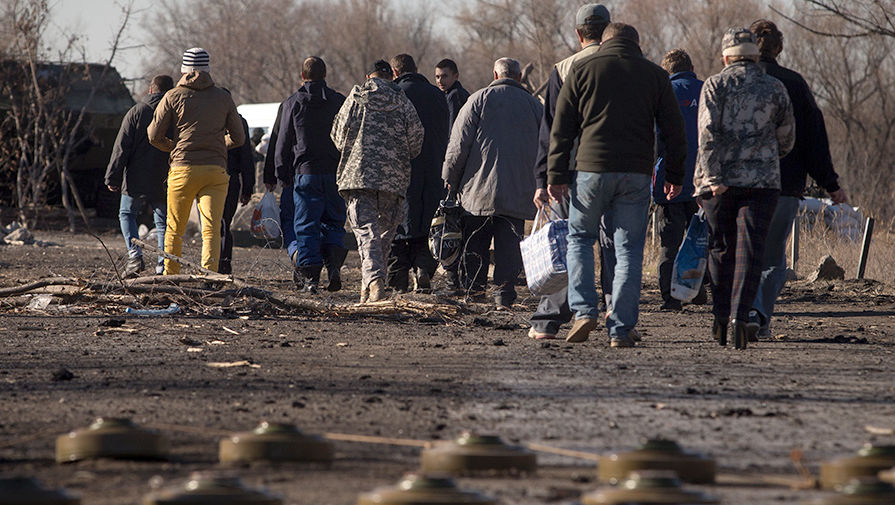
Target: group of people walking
[614,132]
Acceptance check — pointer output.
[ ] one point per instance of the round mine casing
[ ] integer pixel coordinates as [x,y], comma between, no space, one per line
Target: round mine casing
[863,491]
[275,442]
[657,455]
[28,491]
[648,488]
[473,454]
[206,489]
[111,438]
[869,461]
[419,489]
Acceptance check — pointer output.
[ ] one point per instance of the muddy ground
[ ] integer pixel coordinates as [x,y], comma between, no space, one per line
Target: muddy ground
[827,374]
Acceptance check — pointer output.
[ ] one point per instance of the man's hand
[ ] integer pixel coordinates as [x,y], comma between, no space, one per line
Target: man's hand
[541,198]
[270,187]
[113,189]
[839,196]
[718,189]
[558,192]
[672,190]
[245,198]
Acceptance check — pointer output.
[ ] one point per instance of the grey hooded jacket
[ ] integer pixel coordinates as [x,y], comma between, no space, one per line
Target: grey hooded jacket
[491,155]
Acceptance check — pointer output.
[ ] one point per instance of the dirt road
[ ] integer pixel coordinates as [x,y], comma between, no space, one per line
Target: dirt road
[826,375]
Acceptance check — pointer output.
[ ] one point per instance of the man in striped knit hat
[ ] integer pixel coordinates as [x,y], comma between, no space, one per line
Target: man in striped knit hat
[206,125]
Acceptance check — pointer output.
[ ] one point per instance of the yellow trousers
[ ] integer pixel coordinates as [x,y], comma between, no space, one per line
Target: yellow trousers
[209,184]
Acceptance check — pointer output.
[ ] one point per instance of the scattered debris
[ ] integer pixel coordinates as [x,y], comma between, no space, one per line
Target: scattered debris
[113,322]
[342,344]
[172,309]
[194,349]
[228,330]
[828,270]
[189,341]
[19,236]
[875,430]
[40,302]
[62,374]
[232,364]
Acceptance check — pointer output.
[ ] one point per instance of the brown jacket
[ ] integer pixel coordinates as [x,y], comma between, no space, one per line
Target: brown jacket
[205,120]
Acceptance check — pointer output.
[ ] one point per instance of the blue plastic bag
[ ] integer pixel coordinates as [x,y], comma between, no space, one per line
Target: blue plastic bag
[691,260]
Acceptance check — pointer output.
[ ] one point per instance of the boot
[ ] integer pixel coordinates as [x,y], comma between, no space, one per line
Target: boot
[377,290]
[297,278]
[311,277]
[740,334]
[333,259]
[719,331]
[422,280]
[399,280]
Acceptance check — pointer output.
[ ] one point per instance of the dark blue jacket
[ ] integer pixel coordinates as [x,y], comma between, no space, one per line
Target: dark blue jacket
[811,154]
[554,85]
[136,166]
[303,145]
[686,87]
[241,163]
[456,98]
[426,186]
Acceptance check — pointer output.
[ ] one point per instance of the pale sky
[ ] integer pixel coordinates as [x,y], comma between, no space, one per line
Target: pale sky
[97,21]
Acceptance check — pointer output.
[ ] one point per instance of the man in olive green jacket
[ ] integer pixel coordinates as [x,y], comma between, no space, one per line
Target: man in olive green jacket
[206,125]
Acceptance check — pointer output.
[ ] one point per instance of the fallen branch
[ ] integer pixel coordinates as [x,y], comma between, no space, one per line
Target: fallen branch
[186,262]
[31,286]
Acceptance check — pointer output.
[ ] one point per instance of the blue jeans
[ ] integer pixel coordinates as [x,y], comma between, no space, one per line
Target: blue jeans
[128,211]
[773,275]
[287,215]
[319,217]
[623,200]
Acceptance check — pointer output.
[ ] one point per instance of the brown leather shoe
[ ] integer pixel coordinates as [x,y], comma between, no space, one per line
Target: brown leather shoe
[581,329]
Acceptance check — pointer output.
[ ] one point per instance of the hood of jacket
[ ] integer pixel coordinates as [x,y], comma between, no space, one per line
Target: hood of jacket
[314,94]
[621,47]
[196,80]
[378,94]
[411,77]
[152,99]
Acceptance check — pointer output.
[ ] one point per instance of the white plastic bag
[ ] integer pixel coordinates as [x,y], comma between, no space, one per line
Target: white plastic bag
[691,261]
[266,218]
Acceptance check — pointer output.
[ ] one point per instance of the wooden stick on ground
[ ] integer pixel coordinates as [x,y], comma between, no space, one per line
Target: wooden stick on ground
[342,437]
[52,281]
[182,261]
[589,456]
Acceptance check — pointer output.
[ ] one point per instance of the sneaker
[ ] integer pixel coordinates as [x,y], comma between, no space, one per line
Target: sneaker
[422,281]
[671,304]
[532,333]
[701,297]
[581,329]
[635,335]
[764,332]
[133,267]
[626,341]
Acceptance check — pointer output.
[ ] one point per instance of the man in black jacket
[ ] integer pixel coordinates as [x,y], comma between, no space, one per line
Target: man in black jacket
[613,99]
[241,168]
[410,249]
[810,156]
[139,171]
[553,310]
[304,150]
[447,78]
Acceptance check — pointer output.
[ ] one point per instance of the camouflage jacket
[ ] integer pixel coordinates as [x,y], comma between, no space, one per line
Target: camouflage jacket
[378,132]
[746,125]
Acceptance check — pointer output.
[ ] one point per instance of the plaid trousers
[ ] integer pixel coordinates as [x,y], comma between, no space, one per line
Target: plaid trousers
[737,222]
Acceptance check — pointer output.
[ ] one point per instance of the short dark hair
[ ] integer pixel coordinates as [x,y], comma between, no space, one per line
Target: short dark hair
[770,40]
[403,64]
[621,31]
[161,83]
[677,60]
[592,31]
[448,64]
[313,69]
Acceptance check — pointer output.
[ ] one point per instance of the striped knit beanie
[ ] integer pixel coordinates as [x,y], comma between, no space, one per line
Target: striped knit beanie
[195,59]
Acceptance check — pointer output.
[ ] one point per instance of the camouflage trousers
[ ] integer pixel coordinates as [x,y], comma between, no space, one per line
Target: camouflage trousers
[374,216]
